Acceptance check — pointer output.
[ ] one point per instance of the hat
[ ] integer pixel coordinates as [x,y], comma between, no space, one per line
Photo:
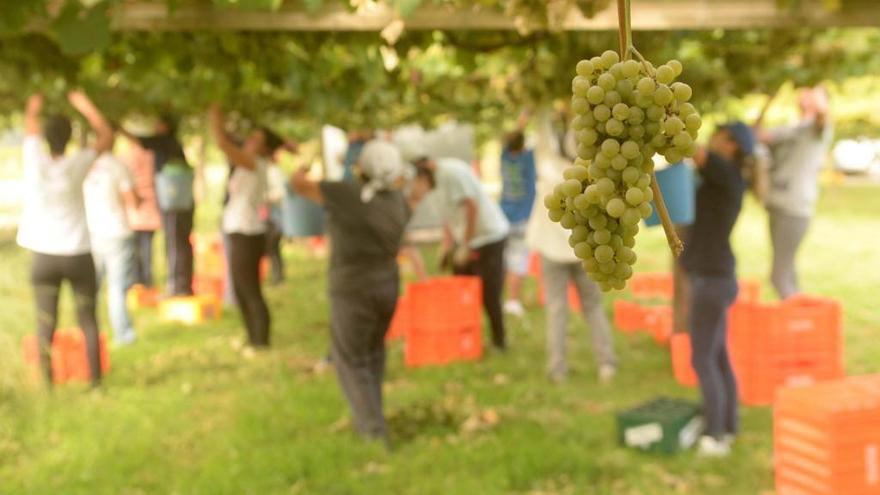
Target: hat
[382,166]
[742,134]
[412,150]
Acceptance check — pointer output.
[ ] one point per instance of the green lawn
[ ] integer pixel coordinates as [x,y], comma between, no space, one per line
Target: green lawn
[184,411]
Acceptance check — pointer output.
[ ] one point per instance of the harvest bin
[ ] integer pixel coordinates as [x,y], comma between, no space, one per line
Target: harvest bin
[676,182]
[662,425]
[301,217]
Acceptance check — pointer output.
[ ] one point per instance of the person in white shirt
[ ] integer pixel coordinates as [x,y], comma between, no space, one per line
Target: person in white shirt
[798,152]
[559,265]
[243,221]
[53,222]
[475,228]
[109,194]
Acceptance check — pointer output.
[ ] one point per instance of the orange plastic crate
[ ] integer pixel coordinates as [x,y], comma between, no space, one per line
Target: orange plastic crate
[213,285]
[401,321]
[445,321]
[660,285]
[69,360]
[680,350]
[210,257]
[629,317]
[190,310]
[658,323]
[827,438]
[142,297]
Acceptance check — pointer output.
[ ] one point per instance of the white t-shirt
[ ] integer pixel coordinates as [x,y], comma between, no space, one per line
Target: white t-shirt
[53,219]
[456,182]
[105,209]
[798,153]
[276,184]
[247,194]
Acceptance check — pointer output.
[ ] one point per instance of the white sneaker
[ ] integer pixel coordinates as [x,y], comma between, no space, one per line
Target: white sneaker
[514,308]
[607,373]
[712,448]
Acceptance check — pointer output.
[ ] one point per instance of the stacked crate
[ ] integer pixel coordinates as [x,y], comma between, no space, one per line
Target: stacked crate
[827,438]
[69,359]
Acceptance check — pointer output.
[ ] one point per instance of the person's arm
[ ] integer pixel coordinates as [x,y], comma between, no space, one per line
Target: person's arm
[306,187]
[470,219]
[235,154]
[32,115]
[416,261]
[104,132]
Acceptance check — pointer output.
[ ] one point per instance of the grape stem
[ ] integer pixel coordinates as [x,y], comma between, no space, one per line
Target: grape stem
[627,51]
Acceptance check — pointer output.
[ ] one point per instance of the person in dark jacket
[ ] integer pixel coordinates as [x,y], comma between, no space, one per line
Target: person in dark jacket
[710,264]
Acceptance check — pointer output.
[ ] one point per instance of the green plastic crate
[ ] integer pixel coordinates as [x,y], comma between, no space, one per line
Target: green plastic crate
[662,425]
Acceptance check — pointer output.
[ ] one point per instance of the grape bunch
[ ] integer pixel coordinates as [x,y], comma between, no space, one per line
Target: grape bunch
[625,113]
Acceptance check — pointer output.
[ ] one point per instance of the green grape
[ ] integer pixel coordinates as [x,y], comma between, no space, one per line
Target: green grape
[612,225]
[665,74]
[615,207]
[682,141]
[583,251]
[575,172]
[644,181]
[648,193]
[579,233]
[595,171]
[672,125]
[629,150]
[644,100]
[580,85]
[581,202]
[597,63]
[606,286]
[602,236]
[645,210]
[623,271]
[610,148]
[646,86]
[634,196]
[693,122]
[653,128]
[584,68]
[552,200]
[629,241]
[636,132]
[606,81]
[620,111]
[659,141]
[571,188]
[690,150]
[595,95]
[587,136]
[614,127]
[601,113]
[625,89]
[619,163]
[598,222]
[630,69]
[607,267]
[605,186]
[602,160]
[686,109]
[609,58]
[568,220]
[612,173]
[676,67]
[624,253]
[586,151]
[682,91]
[556,214]
[636,116]
[590,265]
[580,105]
[663,95]
[654,113]
[617,285]
[612,98]
[603,253]
[616,70]
[630,175]
[571,242]
[616,242]
[672,155]
[630,217]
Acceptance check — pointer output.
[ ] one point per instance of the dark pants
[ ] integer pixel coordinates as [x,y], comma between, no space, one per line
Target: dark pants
[711,298]
[273,251]
[143,257]
[178,227]
[489,266]
[47,273]
[358,323]
[245,252]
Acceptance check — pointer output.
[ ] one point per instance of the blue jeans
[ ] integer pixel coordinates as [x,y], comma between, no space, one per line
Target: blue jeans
[114,258]
[711,297]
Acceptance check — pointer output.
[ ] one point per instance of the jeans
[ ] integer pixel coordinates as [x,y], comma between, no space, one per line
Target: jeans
[245,252]
[114,258]
[786,233]
[47,274]
[711,297]
[556,279]
[143,256]
[178,227]
[489,266]
[273,251]
[358,323]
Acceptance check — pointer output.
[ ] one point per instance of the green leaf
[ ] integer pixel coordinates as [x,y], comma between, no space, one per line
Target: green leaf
[407,7]
[313,6]
[82,30]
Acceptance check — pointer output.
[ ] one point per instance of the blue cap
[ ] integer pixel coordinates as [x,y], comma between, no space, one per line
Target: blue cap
[743,135]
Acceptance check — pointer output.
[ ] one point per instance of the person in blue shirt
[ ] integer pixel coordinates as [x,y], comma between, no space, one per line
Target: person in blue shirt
[517,197]
[710,264]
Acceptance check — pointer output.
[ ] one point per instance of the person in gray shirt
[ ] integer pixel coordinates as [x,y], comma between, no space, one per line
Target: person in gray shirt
[797,152]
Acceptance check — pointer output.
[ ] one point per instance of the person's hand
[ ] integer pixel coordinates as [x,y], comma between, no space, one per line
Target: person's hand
[78,99]
[35,104]
[461,256]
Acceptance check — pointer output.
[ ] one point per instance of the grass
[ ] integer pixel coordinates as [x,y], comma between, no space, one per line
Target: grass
[185,412]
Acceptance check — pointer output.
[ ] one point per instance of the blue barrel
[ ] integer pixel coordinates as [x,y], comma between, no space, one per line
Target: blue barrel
[679,190]
[174,187]
[301,217]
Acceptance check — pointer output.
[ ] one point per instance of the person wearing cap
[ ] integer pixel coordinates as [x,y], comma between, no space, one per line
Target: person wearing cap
[710,264]
[366,220]
[475,228]
[797,154]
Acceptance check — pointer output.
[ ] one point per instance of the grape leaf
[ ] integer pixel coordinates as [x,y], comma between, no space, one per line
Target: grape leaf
[407,7]
[82,30]
[313,6]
